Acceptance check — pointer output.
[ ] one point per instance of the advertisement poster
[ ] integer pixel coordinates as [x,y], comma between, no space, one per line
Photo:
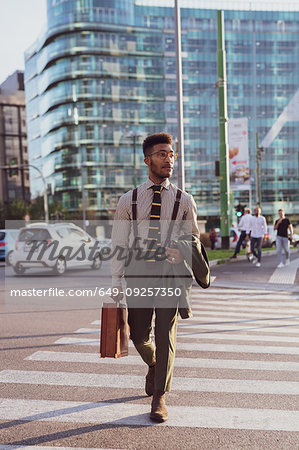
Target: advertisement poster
[238,154]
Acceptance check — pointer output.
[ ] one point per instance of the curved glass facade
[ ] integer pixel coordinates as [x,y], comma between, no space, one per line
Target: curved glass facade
[105,70]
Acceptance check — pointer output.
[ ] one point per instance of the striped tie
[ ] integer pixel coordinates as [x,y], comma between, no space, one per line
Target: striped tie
[154,233]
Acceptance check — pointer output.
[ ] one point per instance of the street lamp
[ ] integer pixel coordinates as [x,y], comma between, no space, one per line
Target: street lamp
[259,156]
[83,165]
[134,135]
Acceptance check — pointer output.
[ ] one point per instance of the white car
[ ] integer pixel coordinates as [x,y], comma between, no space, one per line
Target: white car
[57,246]
[234,234]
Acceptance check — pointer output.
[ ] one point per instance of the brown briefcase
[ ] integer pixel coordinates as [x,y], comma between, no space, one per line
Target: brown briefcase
[114,331]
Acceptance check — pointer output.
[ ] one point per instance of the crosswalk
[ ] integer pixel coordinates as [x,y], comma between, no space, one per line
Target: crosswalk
[236,368]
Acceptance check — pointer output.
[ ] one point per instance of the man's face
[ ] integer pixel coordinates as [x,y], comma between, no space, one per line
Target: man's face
[257,211]
[281,213]
[159,165]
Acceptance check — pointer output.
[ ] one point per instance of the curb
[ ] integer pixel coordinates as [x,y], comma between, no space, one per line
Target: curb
[214,262]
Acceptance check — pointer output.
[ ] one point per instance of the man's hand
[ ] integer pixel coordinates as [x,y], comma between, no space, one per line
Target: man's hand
[174,256]
[117,294]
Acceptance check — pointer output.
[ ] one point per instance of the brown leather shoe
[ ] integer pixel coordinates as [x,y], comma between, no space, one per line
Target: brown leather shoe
[150,381]
[159,411]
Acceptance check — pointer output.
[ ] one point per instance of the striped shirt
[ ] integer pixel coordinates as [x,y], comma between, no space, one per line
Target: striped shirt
[122,232]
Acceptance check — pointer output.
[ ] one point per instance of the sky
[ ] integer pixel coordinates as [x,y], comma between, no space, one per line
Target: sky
[21,21]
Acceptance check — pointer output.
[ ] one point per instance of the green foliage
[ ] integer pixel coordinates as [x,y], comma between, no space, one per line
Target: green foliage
[17,209]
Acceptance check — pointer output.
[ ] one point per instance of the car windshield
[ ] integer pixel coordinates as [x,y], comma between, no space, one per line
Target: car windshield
[34,234]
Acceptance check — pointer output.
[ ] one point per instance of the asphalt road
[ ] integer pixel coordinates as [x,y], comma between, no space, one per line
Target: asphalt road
[236,382]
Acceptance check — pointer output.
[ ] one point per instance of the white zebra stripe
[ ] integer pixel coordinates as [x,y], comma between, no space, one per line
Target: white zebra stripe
[135,414]
[221,336]
[129,381]
[93,358]
[240,310]
[241,326]
[244,302]
[200,347]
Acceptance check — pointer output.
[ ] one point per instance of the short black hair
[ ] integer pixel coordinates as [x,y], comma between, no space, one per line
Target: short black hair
[154,139]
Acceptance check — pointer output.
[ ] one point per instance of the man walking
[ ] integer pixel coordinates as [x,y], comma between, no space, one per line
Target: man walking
[244,227]
[282,225]
[258,228]
[147,209]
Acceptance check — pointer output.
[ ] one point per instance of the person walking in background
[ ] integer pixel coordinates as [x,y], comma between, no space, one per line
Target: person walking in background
[258,228]
[213,238]
[282,225]
[244,227]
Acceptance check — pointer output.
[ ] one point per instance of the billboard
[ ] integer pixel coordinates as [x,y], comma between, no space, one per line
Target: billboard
[238,154]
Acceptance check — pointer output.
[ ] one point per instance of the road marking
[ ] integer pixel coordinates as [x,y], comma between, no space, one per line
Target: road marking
[200,347]
[233,326]
[216,320]
[200,308]
[207,321]
[135,414]
[93,358]
[241,315]
[129,381]
[221,336]
[247,303]
[286,274]
[239,337]
[235,290]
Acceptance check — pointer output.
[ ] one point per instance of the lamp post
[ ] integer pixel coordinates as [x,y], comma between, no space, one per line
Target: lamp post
[26,166]
[179,87]
[83,166]
[223,135]
[134,135]
[259,156]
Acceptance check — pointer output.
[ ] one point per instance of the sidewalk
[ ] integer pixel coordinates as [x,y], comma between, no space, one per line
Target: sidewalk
[241,274]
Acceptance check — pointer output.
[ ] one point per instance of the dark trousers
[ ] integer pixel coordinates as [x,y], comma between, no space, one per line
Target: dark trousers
[240,240]
[256,242]
[163,353]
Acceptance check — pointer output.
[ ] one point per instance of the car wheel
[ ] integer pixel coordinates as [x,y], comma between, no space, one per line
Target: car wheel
[8,258]
[97,262]
[18,269]
[60,266]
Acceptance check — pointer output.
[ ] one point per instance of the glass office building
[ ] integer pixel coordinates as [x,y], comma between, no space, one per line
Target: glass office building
[104,72]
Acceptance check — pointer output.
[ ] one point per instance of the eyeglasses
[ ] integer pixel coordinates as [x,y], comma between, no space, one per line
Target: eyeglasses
[162,154]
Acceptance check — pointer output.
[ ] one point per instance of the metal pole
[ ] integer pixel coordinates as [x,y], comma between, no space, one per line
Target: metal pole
[83,197]
[254,105]
[223,141]
[134,160]
[179,87]
[24,166]
[258,170]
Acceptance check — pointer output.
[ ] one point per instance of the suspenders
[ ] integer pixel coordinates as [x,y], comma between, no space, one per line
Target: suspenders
[173,217]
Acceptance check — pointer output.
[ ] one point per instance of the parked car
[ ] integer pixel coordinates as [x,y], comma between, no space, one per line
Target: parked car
[56,246]
[7,244]
[295,241]
[233,238]
[270,237]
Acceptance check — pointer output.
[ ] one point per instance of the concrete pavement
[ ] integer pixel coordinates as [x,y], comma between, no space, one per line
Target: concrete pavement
[236,381]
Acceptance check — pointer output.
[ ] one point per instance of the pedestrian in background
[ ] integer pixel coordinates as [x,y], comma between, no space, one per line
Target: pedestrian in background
[258,228]
[213,238]
[282,225]
[244,227]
